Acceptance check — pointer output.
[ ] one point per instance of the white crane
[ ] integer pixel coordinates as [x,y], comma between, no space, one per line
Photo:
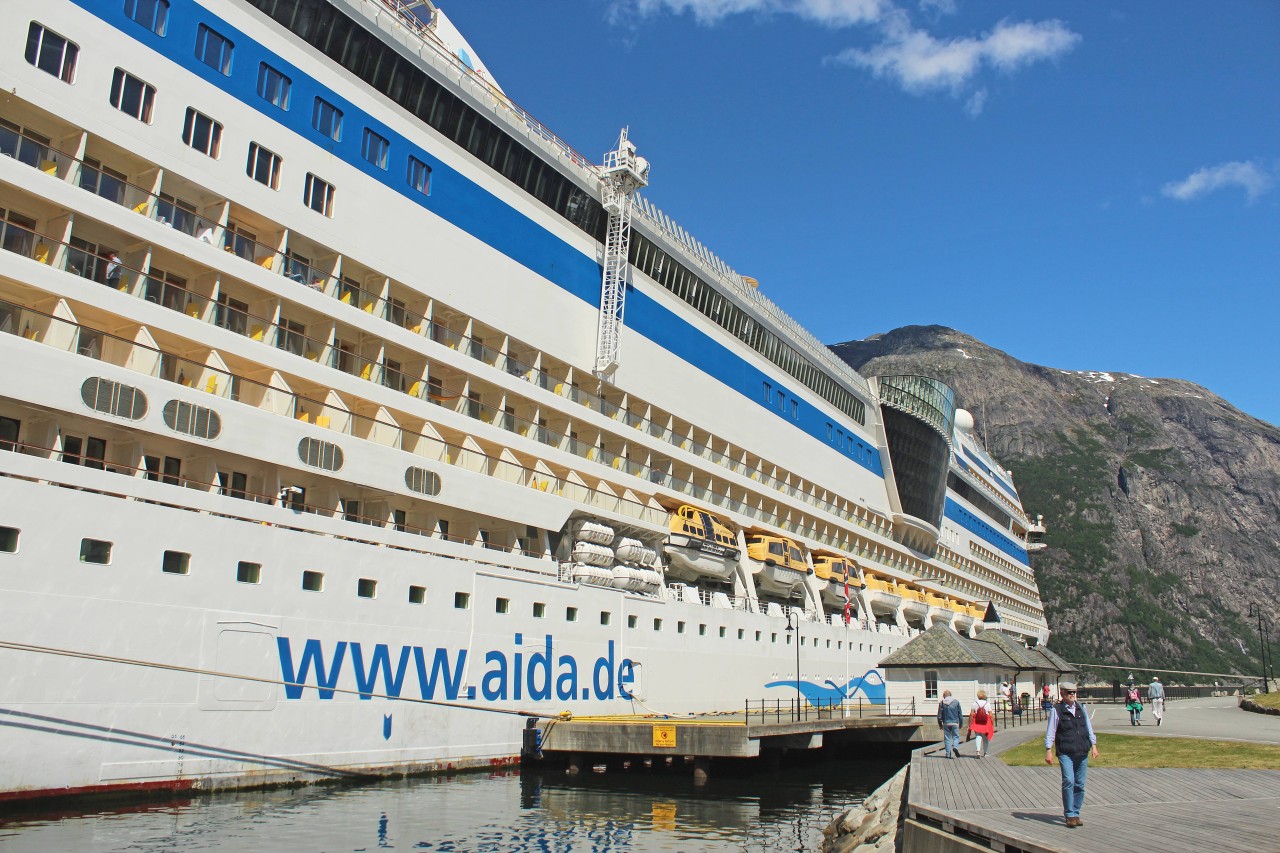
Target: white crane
[622,174]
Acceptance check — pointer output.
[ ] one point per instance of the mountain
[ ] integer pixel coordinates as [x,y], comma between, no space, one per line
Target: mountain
[1161,499]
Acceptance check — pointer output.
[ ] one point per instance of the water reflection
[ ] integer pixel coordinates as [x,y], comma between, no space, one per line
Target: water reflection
[743,808]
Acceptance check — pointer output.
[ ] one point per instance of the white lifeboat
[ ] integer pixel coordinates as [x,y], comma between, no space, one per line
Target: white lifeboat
[636,579]
[592,575]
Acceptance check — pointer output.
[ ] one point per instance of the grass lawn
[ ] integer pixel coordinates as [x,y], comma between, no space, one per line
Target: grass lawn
[1267,700]
[1137,751]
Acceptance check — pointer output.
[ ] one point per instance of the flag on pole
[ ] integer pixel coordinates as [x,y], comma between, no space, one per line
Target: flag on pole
[847,601]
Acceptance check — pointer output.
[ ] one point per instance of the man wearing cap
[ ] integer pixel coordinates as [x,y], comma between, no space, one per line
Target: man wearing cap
[1070,731]
[1155,695]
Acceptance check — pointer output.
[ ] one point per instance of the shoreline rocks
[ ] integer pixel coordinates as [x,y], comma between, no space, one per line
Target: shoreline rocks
[871,826]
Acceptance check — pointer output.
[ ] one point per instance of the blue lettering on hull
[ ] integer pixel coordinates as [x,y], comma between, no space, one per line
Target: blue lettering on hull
[537,676]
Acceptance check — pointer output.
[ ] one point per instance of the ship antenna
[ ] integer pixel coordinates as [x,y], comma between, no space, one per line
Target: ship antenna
[623,173]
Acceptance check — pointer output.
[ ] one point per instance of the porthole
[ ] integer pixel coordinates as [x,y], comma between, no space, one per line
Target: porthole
[113,398]
[191,419]
[320,454]
[422,481]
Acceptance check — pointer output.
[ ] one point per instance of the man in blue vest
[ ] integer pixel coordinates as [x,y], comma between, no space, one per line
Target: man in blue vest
[1070,731]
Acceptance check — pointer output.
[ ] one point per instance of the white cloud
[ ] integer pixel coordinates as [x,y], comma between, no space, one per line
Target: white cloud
[919,62]
[1248,176]
[832,13]
[976,102]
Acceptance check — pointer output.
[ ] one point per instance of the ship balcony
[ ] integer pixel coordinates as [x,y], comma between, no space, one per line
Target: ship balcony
[917,534]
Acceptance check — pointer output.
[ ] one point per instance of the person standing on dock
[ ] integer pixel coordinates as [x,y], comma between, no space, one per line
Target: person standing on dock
[1133,704]
[1071,734]
[1155,695]
[949,719]
[982,722]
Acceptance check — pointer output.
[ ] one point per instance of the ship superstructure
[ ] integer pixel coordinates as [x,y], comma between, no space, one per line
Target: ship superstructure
[330,448]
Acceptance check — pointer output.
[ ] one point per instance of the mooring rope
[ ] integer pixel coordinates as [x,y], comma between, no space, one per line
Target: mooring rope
[70,653]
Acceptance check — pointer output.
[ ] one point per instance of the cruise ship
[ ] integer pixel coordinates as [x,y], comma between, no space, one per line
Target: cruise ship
[351,418]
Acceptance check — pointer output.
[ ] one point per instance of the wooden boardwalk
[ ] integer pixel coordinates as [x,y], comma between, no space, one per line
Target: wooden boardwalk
[1169,810]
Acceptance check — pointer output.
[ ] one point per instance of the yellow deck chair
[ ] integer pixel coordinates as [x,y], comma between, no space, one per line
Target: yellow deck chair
[322,421]
[256,333]
[415,390]
[305,417]
[212,385]
[142,207]
[49,167]
[367,371]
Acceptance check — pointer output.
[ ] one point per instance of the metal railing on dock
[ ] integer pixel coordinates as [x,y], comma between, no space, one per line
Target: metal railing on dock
[762,712]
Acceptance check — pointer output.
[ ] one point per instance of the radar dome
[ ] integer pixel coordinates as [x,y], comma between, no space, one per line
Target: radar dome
[964,420]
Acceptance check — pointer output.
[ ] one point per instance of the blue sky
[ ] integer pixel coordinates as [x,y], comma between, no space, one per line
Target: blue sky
[1088,186]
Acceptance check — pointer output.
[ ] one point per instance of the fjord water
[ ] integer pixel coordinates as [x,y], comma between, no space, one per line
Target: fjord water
[742,808]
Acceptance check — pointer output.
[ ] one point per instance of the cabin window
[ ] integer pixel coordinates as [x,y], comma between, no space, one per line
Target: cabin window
[9,428]
[273,86]
[327,119]
[367,588]
[680,627]
[539,610]
[657,624]
[571,614]
[202,133]
[462,601]
[723,631]
[52,53]
[263,166]
[248,572]
[313,581]
[931,684]
[317,194]
[374,147]
[95,551]
[90,452]
[632,621]
[417,595]
[502,605]
[777,549]
[176,563]
[8,540]
[152,14]
[214,50]
[132,96]
[419,176]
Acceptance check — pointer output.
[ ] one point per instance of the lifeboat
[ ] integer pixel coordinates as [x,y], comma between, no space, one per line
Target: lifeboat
[884,596]
[833,572]
[914,606]
[961,618]
[940,612]
[778,563]
[699,545]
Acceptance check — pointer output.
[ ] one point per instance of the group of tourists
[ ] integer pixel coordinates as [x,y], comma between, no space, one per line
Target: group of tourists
[1068,735]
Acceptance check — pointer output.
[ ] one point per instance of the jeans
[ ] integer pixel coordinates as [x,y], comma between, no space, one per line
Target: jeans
[1073,768]
[951,738]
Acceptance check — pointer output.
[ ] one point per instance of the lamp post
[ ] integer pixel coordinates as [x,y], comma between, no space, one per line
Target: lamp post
[1256,611]
[796,629]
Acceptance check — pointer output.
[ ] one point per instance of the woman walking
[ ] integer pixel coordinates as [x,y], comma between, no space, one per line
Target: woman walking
[982,723]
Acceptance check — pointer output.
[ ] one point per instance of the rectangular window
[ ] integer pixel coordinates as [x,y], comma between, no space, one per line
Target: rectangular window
[50,52]
[632,621]
[657,624]
[539,610]
[419,176]
[152,14]
[417,595]
[462,600]
[502,605]
[214,50]
[202,133]
[273,86]
[318,195]
[263,166]
[176,563]
[571,614]
[605,617]
[248,572]
[931,684]
[8,540]
[374,148]
[132,96]
[95,551]
[327,119]
[313,581]
[367,588]
[9,427]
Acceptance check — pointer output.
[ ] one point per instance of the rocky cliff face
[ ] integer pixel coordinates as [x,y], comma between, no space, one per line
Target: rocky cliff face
[1162,500]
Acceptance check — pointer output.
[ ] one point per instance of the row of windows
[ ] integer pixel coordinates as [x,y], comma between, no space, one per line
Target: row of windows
[346,42]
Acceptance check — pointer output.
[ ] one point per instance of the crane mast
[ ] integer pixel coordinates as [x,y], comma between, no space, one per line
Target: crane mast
[622,174]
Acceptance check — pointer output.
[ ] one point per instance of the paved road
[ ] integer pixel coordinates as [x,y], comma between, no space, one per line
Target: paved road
[1213,717]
